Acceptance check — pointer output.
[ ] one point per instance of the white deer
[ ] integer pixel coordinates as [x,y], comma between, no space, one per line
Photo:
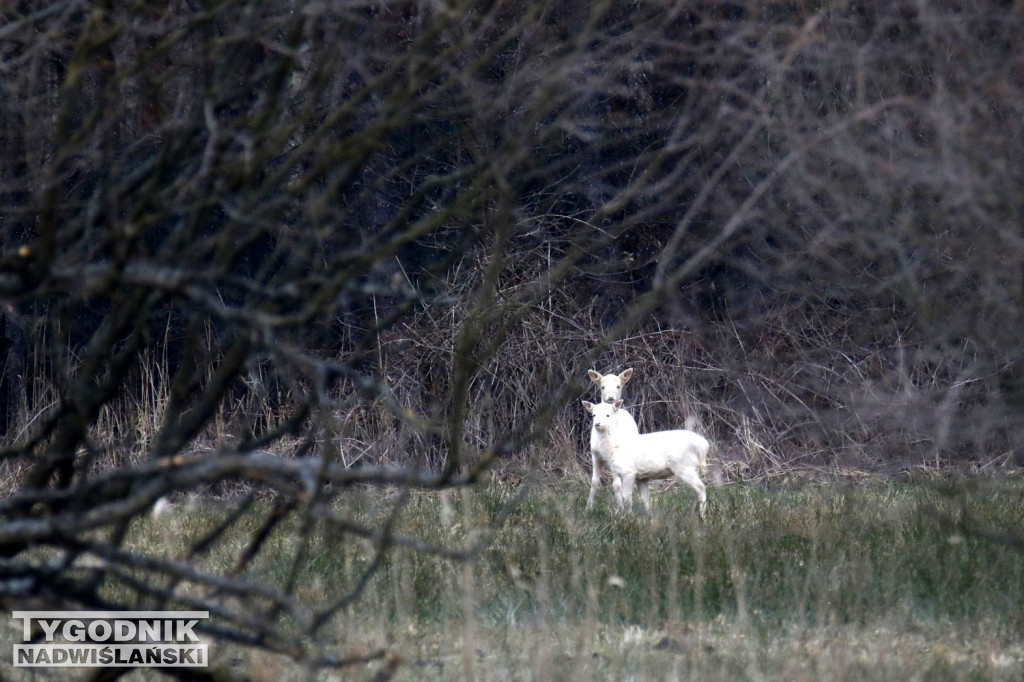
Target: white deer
[635,458]
[611,391]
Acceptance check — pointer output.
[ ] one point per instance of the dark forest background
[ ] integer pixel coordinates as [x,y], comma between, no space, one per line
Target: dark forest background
[286,245]
[800,223]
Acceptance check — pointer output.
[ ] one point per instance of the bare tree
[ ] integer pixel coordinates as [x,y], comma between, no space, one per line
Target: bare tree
[225,219]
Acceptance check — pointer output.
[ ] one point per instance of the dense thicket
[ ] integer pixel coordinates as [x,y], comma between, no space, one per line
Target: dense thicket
[264,242]
[822,198]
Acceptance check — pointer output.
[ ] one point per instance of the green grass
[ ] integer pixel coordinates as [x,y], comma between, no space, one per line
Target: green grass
[823,582]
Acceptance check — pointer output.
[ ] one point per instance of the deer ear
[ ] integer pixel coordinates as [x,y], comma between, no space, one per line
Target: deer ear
[617,404]
[626,376]
[589,406]
[594,376]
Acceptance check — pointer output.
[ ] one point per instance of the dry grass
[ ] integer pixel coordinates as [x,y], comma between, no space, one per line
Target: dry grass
[825,581]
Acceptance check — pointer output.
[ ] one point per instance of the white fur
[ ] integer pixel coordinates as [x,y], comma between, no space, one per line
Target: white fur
[637,459]
[611,391]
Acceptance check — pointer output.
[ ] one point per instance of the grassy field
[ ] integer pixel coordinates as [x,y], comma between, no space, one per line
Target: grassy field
[878,580]
[824,582]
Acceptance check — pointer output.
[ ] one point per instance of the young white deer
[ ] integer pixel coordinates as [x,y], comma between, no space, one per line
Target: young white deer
[639,458]
[611,391]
